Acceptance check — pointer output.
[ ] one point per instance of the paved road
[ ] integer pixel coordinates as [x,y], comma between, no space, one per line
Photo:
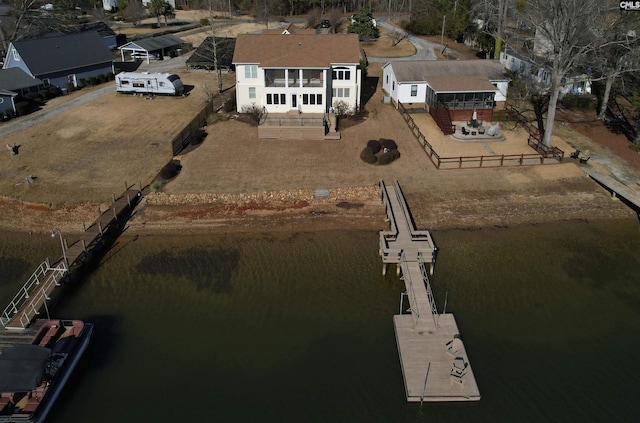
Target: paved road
[424,48]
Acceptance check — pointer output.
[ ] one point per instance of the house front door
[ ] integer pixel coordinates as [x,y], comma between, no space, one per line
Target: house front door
[294,101]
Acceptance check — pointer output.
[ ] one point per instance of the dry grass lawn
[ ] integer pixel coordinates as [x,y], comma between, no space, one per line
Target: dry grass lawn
[88,153]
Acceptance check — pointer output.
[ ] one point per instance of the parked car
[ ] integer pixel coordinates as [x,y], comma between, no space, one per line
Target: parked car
[325,23]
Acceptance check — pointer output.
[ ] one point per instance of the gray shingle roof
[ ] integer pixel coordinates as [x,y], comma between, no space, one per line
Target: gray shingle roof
[52,54]
[154,43]
[451,75]
[15,78]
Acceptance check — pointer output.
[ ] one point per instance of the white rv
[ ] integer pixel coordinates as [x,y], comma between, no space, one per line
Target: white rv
[149,83]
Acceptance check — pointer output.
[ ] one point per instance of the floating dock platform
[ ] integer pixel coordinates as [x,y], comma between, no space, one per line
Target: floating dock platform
[434,361]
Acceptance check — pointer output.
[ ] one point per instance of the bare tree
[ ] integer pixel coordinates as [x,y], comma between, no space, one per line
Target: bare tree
[133,12]
[570,29]
[214,47]
[20,22]
[620,58]
[495,15]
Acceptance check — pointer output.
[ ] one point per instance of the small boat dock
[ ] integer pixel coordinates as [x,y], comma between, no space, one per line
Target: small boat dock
[435,363]
[34,294]
[617,189]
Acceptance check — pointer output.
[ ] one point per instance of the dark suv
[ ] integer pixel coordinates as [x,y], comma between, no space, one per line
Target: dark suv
[325,23]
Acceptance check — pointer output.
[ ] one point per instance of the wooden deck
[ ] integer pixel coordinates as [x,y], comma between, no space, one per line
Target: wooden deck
[35,293]
[617,189]
[427,365]
[435,365]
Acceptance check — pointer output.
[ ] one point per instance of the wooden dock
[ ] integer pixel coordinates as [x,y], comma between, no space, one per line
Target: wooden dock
[617,189]
[35,293]
[434,361]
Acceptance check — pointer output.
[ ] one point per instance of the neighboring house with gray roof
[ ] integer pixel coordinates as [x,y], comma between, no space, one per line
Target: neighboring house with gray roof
[300,73]
[61,59]
[540,70]
[461,86]
[14,84]
[152,47]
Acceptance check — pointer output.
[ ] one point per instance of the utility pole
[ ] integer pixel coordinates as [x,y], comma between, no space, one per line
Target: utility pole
[444,19]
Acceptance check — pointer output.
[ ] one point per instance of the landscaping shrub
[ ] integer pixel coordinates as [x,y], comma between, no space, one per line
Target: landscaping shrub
[101,78]
[157,185]
[385,158]
[37,97]
[110,76]
[10,114]
[255,112]
[204,21]
[25,107]
[375,146]
[341,108]
[367,156]
[171,170]
[93,80]
[69,86]
[82,83]
[388,144]
[53,92]
[44,94]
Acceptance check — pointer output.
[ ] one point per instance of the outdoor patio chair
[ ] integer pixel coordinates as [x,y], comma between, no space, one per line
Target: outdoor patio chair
[454,347]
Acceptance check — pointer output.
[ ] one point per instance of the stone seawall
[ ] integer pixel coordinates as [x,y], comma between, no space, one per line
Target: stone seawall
[352,194]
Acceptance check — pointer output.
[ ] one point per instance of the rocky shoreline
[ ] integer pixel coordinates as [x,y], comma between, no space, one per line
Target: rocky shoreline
[356,208]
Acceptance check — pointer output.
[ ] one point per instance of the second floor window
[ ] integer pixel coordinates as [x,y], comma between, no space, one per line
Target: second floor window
[342,74]
[250,71]
[414,90]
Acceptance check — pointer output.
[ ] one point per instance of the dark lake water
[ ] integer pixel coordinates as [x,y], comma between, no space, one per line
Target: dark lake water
[298,327]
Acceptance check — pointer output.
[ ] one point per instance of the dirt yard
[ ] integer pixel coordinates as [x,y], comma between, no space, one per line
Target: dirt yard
[234,181]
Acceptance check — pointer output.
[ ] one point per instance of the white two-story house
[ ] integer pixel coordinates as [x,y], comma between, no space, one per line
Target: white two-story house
[297,73]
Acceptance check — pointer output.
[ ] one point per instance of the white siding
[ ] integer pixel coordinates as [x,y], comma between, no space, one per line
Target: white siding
[387,77]
[306,97]
[404,93]
[353,84]
[501,92]
[242,88]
